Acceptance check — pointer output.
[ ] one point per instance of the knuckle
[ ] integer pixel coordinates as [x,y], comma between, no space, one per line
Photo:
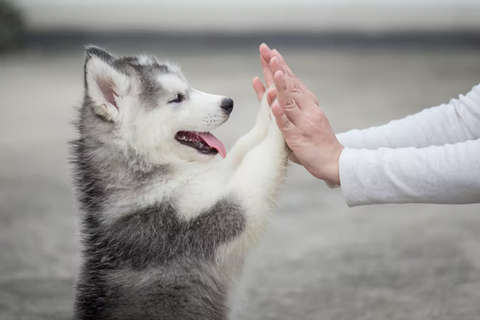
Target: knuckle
[318,115]
[295,88]
[290,105]
[286,124]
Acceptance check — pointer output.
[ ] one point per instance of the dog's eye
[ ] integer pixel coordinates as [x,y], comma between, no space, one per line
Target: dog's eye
[178,98]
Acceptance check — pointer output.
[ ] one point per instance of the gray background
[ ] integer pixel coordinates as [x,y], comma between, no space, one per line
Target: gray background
[319,259]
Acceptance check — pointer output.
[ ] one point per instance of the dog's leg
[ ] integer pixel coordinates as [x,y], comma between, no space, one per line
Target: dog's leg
[253,137]
[261,158]
[257,182]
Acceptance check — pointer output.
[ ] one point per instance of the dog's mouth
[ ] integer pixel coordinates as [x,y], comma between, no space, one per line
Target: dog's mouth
[203,142]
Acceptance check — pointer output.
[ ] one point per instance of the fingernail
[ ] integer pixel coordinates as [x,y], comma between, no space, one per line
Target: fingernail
[275,61]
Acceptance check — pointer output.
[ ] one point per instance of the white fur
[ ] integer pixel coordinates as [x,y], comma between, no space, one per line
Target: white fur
[252,172]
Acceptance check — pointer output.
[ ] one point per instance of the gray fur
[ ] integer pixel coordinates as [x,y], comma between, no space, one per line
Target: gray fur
[146,70]
[148,263]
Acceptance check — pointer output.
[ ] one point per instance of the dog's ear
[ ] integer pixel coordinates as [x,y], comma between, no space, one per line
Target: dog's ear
[104,84]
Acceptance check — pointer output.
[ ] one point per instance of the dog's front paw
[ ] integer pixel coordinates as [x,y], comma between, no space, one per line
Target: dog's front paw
[265,115]
[274,132]
[276,135]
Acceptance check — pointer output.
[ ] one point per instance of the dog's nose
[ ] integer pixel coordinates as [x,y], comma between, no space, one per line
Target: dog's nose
[227,105]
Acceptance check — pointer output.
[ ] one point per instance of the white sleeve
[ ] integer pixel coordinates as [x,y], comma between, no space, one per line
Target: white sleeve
[448,174]
[457,121]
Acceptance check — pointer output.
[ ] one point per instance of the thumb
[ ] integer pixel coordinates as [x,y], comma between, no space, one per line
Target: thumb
[258,87]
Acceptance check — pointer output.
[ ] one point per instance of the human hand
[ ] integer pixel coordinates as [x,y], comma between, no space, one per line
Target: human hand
[304,125]
[265,57]
[260,89]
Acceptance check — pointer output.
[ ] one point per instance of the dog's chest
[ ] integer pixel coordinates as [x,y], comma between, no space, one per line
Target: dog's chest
[201,194]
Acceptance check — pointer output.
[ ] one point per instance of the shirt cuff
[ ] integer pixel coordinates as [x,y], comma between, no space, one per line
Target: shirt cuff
[351,187]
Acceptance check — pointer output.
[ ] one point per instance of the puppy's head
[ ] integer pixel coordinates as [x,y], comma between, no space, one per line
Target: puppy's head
[149,107]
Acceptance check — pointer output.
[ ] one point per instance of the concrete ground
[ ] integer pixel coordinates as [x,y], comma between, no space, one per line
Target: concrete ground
[319,258]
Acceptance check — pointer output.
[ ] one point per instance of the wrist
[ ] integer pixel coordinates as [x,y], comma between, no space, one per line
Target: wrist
[334,173]
[331,169]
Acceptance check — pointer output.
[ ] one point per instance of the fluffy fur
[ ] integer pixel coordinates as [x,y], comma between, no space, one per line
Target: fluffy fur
[164,228]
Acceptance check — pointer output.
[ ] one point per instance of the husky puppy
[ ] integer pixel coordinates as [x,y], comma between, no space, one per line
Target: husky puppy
[165,221]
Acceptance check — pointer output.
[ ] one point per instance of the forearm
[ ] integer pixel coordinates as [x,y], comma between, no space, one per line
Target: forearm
[448,174]
[457,121]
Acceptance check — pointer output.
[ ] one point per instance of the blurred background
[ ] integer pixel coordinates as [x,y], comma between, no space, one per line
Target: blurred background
[369,61]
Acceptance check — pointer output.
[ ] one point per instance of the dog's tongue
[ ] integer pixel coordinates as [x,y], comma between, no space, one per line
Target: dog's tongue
[213,142]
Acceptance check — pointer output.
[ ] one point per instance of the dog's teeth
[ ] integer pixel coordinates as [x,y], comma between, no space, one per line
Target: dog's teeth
[184,138]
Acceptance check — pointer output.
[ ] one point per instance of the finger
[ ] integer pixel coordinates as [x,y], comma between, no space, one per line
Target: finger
[304,103]
[283,123]
[271,96]
[288,129]
[258,87]
[277,63]
[284,97]
[275,53]
[267,72]
[302,100]
[265,52]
